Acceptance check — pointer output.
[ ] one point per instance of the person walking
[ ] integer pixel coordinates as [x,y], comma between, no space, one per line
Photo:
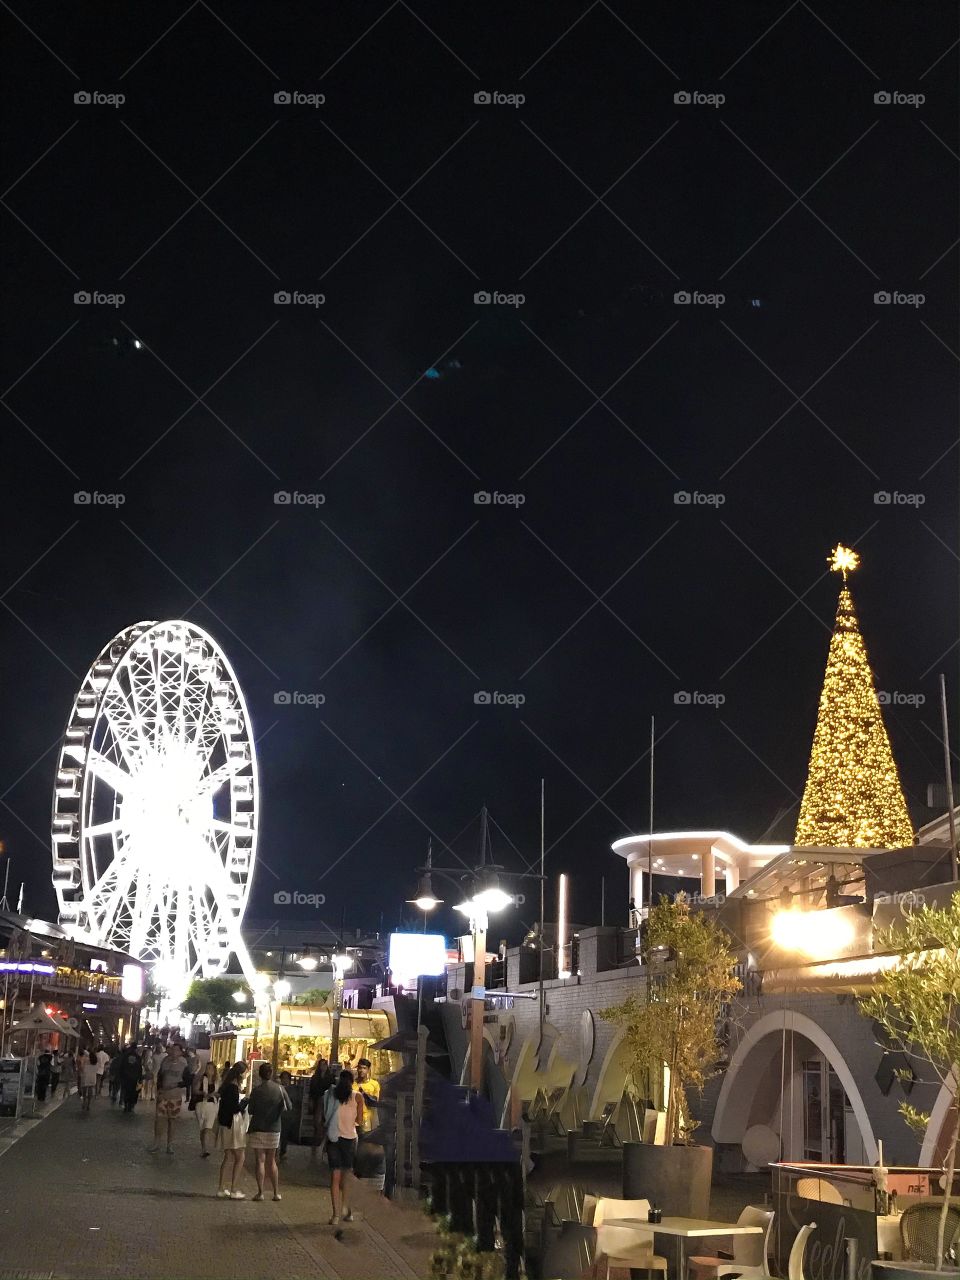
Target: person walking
[287,1120]
[41,1081]
[172,1080]
[89,1078]
[103,1061]
[113,1075]
[321,1080]
[269,1102]
[203,1103]
[148,1074]
[232,1131]
[343,1115]
[68,1072]
[55,1068]
[130,1075]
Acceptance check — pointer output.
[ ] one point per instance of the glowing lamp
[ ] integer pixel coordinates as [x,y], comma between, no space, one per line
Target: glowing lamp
[281,988]
[308,962]
[425,898]
[240,997]
[341,963]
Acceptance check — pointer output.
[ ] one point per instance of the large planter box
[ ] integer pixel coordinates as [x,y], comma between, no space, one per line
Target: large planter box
[676,1179]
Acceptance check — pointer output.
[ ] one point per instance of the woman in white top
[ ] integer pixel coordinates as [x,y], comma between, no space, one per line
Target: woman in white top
[89,1076]
[343,1113]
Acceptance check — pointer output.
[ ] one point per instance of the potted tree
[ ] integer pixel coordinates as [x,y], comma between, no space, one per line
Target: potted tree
[673,1030]
[917,1006]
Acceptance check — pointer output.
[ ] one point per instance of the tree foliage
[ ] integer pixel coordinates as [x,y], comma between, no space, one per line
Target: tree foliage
[211,996]
[916,1003]
[676,1021]
[313,995]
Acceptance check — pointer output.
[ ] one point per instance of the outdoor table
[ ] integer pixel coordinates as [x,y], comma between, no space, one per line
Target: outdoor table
[685,1229]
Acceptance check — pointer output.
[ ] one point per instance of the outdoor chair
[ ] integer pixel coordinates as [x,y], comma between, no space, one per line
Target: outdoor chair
[749,1256]
[625,1246]
[795,1261]
[571,1254]
[608,1134]
[818,1189]
[563,1202]
[919,1228]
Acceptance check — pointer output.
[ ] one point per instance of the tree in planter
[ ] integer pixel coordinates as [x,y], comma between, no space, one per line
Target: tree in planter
[212,996]
[917,1006]
[676,1021]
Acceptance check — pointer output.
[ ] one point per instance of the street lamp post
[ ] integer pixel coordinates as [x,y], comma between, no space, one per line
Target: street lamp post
[341,963]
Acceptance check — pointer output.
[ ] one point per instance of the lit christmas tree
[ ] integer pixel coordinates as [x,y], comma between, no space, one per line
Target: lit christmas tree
[853,797]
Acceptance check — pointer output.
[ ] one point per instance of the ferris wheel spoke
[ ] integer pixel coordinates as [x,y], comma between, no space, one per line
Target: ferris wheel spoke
[111,827]
[119,780]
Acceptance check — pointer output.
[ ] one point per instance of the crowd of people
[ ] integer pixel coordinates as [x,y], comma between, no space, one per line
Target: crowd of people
[238,1107]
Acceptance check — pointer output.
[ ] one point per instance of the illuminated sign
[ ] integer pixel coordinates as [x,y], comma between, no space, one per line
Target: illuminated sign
[418,954]
[24,966]
[131,985]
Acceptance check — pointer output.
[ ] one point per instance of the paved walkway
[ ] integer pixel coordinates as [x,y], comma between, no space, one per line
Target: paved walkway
[82,1199]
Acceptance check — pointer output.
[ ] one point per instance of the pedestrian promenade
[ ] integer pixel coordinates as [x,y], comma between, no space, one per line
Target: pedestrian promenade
[81,1198]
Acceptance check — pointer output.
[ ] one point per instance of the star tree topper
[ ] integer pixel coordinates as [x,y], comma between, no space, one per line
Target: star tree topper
[843,560]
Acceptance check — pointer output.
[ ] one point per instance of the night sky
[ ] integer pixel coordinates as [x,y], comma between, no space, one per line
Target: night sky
[598,399]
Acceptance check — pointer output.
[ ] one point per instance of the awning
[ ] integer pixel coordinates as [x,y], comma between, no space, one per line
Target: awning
[400,1043]
[37,1019]
[355,1024]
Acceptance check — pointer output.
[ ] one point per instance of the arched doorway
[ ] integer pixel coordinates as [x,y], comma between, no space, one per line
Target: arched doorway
[788,1075]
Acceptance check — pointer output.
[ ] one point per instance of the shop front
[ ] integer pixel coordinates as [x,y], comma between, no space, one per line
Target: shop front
[305,1035]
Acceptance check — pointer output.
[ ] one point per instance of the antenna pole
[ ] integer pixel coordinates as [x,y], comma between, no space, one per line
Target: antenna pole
[650,837]
[541,991]
[951,817]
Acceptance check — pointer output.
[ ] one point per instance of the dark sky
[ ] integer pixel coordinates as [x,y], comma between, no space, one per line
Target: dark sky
[597,399]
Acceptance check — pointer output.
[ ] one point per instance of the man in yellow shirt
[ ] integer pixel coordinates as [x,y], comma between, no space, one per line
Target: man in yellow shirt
[370,1089]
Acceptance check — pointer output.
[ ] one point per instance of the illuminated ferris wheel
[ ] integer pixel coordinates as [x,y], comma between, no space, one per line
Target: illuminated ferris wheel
[155,805]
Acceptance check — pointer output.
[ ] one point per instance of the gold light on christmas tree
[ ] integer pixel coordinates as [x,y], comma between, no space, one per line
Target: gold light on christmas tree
[853,797]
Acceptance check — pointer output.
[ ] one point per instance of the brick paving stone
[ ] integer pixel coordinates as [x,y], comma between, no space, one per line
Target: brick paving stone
[81,1198]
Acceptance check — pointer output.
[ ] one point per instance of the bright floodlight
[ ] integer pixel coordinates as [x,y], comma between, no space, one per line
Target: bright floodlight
[281,988]
[341,963]
[240,997]
[821,935]
[155,806]
[308,962]
[492,899]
